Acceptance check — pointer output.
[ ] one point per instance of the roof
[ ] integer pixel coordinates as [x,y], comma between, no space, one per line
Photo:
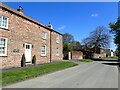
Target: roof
[5,7]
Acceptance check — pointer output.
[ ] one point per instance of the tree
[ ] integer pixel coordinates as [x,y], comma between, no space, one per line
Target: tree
[69,44]
[99,38]
[115,29]
[68,38]
[76,45]
[66,48]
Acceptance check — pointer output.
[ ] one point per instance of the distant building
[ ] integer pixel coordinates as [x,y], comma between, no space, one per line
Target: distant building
[89,52]
[108,52]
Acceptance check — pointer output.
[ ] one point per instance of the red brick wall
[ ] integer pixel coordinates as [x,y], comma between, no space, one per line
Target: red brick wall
[56,45]
[21,31]
[76,55]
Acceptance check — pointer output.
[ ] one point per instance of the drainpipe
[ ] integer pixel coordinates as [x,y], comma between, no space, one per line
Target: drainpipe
[50,46]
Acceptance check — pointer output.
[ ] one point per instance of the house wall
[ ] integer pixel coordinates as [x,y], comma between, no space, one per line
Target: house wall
[56,45]
[103,55]
[21,31]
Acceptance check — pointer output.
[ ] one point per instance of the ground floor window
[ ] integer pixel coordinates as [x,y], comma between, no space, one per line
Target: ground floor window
[57,51]
[3,46]
[43,50]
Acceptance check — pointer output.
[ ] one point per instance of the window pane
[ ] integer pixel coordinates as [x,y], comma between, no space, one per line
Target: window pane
[57,51]
[3,46]
[43,50]
[57,39]
[2,50]
[43,35]
[2,42]
[27,46]
[4,22]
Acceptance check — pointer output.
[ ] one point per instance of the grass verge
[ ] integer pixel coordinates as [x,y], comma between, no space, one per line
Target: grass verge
[12,76]
[86,60]
[115,57]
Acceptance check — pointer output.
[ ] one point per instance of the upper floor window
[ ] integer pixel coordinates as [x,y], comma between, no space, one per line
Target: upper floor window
[43,50]
[3,22]
[43,35]
[57,39]
[3,46]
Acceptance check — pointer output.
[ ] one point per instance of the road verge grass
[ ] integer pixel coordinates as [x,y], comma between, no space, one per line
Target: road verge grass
[86,60]
[12,76]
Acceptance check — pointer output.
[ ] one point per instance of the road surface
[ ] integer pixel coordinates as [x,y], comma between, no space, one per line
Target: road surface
[97,74]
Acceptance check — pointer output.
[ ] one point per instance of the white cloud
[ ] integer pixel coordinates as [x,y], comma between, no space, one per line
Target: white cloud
[62,27]
[94,15]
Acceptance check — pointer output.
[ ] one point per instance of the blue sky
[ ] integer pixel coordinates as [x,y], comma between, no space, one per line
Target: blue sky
[78,19]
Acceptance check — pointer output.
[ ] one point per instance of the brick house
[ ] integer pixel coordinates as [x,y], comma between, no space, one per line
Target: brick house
[89,52]
[20,35]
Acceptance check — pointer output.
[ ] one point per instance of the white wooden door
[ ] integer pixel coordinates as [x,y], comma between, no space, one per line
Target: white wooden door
[28,52]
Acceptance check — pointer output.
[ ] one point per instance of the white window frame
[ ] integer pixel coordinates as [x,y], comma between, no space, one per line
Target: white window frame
[41,50]
[6,40]
[2,22]
[45,35]
[57,39]
[57,51]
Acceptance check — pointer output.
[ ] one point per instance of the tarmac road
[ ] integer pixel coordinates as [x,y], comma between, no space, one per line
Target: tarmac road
[97,74]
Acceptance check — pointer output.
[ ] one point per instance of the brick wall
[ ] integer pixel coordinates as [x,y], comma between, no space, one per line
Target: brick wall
[76,55]
[56,45]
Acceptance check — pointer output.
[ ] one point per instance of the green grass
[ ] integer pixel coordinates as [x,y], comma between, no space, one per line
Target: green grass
[86,60]
[12,76]
[0,78]
[114,57]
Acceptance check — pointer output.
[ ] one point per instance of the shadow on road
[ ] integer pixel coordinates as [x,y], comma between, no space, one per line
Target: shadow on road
[111,61]
[108,60]
[113,64]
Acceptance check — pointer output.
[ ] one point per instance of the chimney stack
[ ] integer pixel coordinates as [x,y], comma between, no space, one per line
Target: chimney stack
[50,26]
[20,9]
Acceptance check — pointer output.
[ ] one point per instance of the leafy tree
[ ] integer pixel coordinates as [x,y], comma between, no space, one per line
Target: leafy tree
[69,44]
[115,29]
[76,45]
[99,38]
[66,48]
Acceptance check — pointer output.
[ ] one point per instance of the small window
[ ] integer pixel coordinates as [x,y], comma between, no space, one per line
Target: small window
[3,46]
[4,22]
[27,46]
[43,35]
[43,50]
[57,51]
[57,39]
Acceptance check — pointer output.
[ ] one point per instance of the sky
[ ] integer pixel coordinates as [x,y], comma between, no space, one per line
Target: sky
[76,18]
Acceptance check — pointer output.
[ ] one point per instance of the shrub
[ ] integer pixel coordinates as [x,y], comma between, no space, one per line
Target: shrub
[34,60]
[23,60]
